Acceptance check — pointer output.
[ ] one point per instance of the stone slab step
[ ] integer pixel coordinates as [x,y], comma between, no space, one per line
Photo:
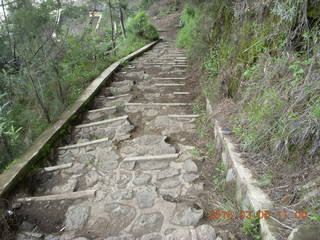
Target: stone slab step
[169,84]
[184,116]
[84,144]
[118,96]
[102,122]
[172,64]
[64,196]
[152,158]
[58,167]
[106,109]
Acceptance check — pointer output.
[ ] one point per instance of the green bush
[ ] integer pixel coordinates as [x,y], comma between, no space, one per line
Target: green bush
[140,27]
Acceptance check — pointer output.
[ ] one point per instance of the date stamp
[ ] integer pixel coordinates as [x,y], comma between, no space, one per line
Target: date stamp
[262,214]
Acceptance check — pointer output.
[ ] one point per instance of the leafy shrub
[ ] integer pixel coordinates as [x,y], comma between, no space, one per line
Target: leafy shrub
[251,227]
[140,27]
[145,4]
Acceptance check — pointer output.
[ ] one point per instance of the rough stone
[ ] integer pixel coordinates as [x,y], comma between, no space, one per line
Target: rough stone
[173,192]
[70,186]
[142,179]
[149,140]
[152,236]
[122,237]
[107,160]
[86,158]
[186,215]
[179,234]
[147,223]
[119,216]
[123,179]
[121,194]
[206,232]
[146,197]
[52,237]
[76,217]
[190,177]
[26,226]
[91,178]
[106,155]
[153,164]
[76,168]
[170,183]
[151,113]
[148,145]
[189,166]
[128,165]
[171,172]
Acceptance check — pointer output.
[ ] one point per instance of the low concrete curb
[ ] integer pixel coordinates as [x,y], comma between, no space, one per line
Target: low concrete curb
[240,184]
[19,168]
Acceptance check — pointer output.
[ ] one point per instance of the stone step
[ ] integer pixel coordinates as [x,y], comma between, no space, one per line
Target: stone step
[173,64]
[185,116]
[84,144]
[159,104]
[101,112]
[169,84]
[118,96]
[58,167]
[106,109]
[64,196]
[181,93]
[152,158]
[101,122]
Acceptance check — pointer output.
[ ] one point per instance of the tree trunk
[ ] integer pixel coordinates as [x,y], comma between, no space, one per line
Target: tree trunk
[60,89]
[12,47]
[121,23]
[112,27]
[7,147]
[40,102]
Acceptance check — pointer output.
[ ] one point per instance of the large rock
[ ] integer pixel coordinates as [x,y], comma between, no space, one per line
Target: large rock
[170,183]
[122,237]
[123,179]
[147,223]
[152,236]
[189,166]
[146,197]
[168,173]
[190,177]
[153,164]
[107,161]
[119,217]
[69,186]
[76,217]
[206,232]
[141,179]
[179,234]
[186,215]
[86,158]
[148,145]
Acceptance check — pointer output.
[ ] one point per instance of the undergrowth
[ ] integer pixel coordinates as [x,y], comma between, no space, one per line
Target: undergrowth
[264,55]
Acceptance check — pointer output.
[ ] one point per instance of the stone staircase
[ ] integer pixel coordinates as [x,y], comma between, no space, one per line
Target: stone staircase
[128,172]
